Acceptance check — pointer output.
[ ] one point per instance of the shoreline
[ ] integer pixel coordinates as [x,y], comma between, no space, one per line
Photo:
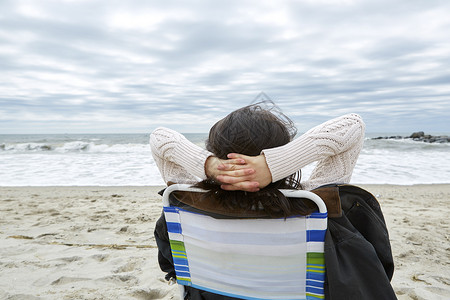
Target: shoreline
[96,242]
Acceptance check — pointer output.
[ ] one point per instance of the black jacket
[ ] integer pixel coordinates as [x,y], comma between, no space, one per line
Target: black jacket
[358,257]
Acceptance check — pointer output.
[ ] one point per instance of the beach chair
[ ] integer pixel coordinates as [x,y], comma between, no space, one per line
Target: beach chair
[248,258]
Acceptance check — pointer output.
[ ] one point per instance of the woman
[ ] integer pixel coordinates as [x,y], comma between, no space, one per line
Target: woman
[250,154]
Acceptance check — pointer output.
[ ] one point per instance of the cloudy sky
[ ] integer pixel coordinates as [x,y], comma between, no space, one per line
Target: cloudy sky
[128,66]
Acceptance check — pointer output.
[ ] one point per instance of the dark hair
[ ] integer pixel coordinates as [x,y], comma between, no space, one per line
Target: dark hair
[248,131]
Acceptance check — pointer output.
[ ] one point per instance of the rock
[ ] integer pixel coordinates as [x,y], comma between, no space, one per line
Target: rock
[418,134]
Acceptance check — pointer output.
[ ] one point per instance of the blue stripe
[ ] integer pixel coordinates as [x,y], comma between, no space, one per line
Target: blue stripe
[318,215]
[314,290]
[171,209]
[315,276]
[182,268]
[318,284]
[183,274]
[180,261]
[315,235]
[173,227]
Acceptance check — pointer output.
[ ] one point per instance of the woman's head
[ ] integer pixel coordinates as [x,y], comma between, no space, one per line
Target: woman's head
[249,130]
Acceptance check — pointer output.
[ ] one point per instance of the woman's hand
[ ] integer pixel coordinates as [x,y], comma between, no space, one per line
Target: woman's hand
[226,170]
[240,172]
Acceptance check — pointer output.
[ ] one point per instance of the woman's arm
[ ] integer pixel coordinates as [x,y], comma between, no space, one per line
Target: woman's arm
[178,160]
[335,145]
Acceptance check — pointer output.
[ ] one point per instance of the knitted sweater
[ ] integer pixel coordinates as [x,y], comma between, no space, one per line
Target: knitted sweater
[335,146]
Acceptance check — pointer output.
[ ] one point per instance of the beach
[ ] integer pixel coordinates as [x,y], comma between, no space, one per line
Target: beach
[96,242]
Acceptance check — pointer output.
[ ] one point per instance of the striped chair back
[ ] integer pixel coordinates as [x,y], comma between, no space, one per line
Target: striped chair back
[249,258]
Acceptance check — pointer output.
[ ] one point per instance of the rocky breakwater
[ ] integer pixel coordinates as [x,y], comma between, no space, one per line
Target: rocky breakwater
[419,137]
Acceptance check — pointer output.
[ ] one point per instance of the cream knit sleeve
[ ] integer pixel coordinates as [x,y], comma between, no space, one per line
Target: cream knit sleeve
[178,160]
[335,145]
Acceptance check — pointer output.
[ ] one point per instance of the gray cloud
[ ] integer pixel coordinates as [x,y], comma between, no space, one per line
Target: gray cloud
[87,66]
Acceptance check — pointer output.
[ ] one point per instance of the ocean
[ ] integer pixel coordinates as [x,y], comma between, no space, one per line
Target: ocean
[125,160]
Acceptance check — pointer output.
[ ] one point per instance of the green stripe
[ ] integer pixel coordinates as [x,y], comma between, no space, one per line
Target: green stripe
[314,254]
[315,296]
[183,279]
[315,258]
[315,267]
[177,246]
[315,271]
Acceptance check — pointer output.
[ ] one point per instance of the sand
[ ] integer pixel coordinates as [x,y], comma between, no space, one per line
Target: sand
[97,242]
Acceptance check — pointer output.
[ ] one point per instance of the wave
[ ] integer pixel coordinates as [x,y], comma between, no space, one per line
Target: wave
[23,147]
[74,146]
